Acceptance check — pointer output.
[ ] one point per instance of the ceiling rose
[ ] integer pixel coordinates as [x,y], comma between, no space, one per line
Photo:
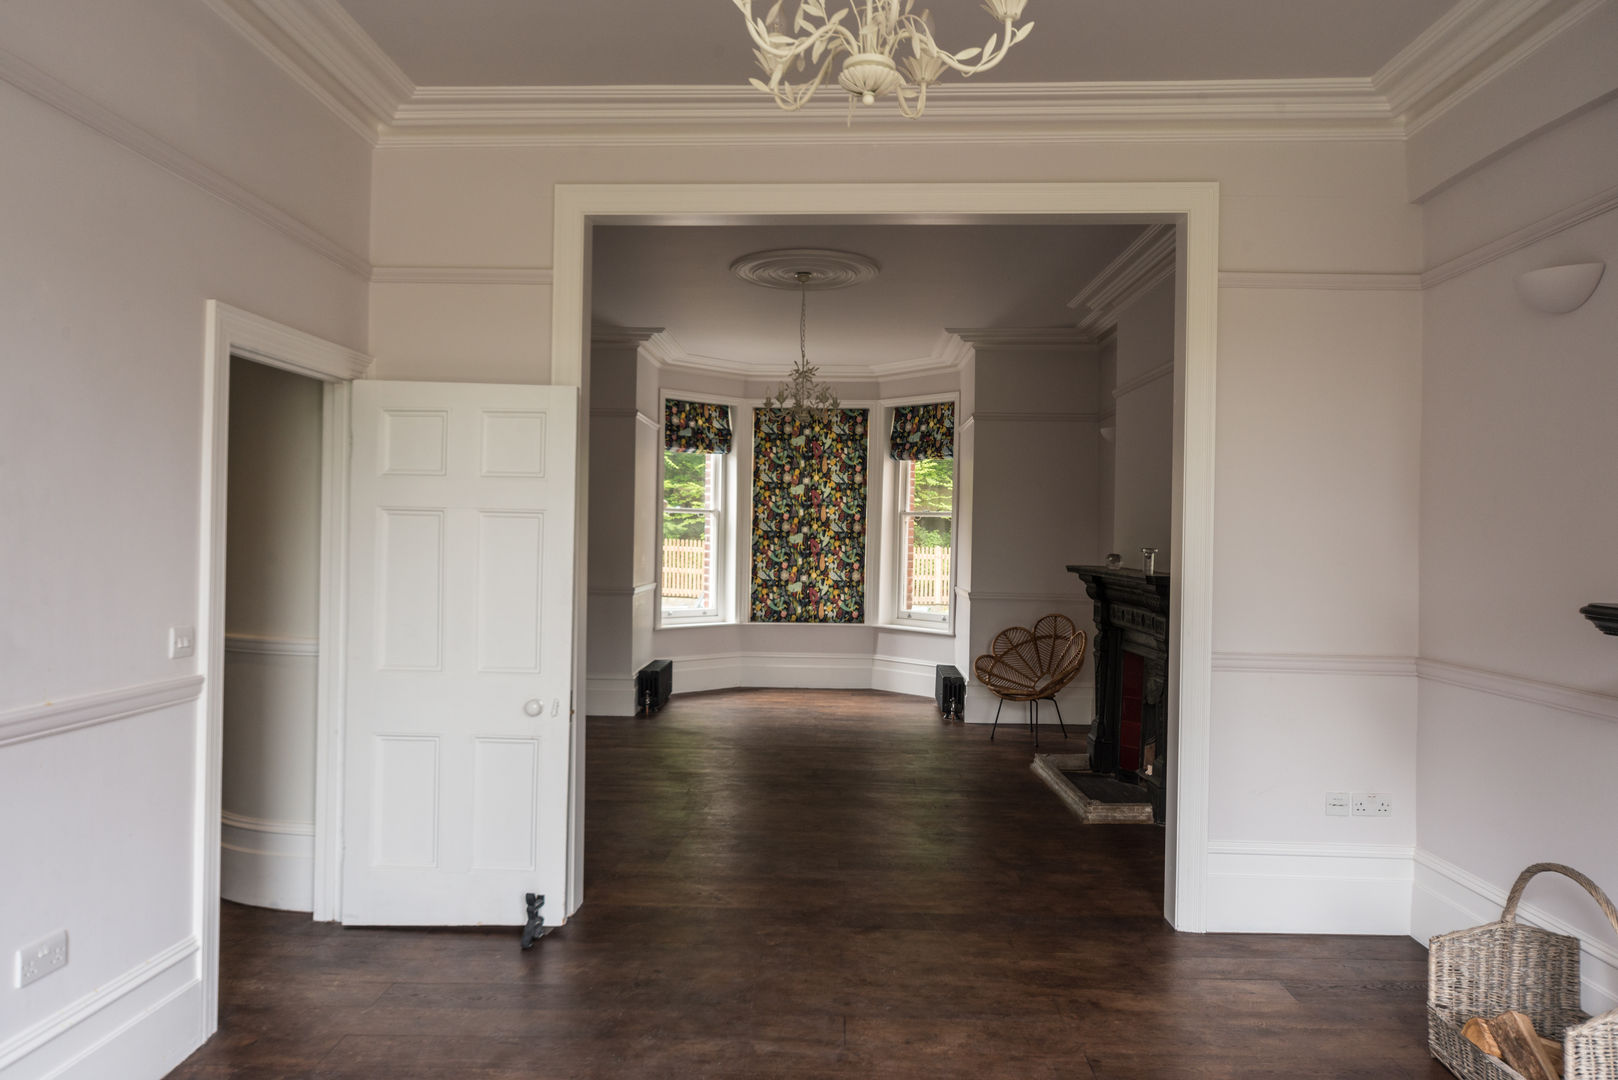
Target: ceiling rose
[785,268]
[868,34]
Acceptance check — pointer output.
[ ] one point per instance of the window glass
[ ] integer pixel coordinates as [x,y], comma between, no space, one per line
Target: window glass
[690,534]
[926,537]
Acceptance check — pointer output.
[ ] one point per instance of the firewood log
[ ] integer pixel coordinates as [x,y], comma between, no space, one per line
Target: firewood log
[1477,1033]
[1521,1047]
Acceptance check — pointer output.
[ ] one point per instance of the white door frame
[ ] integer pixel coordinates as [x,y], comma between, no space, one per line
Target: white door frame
[1193,207]
[233,332]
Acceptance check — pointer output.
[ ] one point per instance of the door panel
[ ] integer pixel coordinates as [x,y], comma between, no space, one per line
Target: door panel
[459,652]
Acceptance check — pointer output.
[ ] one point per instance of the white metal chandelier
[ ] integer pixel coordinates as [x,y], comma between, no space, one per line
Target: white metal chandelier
[870,70]
[803,395]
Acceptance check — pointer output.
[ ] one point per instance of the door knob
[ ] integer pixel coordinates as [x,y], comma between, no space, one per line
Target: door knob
[532,707]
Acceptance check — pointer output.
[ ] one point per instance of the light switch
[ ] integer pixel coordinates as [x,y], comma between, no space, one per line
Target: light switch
[182,642]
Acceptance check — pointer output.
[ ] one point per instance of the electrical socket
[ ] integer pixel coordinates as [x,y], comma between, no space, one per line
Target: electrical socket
[44,956]
[1372,804]
[1336,804]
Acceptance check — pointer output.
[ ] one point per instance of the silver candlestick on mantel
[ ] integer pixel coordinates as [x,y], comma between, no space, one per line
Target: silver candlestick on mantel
[1148,560]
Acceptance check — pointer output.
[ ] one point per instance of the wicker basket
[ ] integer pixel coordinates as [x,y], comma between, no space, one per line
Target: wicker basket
[1504,965]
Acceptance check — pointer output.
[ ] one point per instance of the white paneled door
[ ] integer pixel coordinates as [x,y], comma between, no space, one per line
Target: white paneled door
[459,654]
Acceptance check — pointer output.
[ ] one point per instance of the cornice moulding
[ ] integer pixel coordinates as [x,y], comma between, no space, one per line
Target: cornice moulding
[1469,45]
[461,275]
[325,51]
[1024,338]
[665,351]
[623,336]
[1142,266]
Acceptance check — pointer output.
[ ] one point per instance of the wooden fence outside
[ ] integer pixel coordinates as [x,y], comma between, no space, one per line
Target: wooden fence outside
[685,569]
[685,572]
[929,577]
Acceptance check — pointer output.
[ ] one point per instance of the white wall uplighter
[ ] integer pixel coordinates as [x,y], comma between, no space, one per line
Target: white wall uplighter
[1557,290]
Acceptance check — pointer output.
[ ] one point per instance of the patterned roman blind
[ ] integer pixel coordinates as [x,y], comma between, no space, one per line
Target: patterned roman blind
[696,427]
[923,432]
[809,517]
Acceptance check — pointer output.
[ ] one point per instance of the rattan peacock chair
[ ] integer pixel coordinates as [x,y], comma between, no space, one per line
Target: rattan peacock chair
[1032,666]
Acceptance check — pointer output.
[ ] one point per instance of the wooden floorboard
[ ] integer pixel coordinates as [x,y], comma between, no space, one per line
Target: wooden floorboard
[806,884]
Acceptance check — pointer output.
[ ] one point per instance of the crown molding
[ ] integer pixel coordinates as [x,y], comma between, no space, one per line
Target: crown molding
[665,351]
[326,52]
[1024,338]
[1308,280]
[322,48]
[132,137]
[1140,267]
[461,275]
[624,336]
[1058,109]
[1471,44]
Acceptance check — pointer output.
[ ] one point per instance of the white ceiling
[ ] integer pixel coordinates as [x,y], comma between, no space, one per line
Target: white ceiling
[933,276]
[703,42]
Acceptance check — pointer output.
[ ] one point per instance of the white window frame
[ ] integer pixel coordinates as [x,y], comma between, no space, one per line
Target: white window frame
[897,477]
[722,483]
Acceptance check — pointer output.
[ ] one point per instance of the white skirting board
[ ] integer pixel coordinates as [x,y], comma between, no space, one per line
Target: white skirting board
[267,863]
[139,1026]
[1447,897]
[1308,888]
[615,695]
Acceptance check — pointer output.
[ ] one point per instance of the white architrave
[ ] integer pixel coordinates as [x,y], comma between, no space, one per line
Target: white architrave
[233,332]
[1192,207]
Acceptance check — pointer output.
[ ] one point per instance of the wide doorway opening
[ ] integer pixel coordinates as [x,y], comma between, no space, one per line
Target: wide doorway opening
[1027,389]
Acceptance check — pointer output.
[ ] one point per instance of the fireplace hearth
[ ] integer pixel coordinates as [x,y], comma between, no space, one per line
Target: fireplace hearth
[1129,739]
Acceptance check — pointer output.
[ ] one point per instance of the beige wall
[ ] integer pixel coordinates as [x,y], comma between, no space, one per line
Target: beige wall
[110,259]
[1519,708]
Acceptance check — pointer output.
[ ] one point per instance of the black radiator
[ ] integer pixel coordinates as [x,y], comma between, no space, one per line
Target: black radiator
[653,685]
[949,689]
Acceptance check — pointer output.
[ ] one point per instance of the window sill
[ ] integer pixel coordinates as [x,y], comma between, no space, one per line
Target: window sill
[935,629]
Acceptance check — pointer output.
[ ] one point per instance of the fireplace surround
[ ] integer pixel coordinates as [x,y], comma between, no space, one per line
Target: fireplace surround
[1129,738]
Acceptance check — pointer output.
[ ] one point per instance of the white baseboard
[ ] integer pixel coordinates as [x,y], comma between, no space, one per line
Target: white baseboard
[810,671]
[611,695]
[138,1026]
[1447,897]
[1309,888]
[267,864]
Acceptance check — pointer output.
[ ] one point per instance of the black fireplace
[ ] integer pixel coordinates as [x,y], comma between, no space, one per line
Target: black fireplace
[1129,738]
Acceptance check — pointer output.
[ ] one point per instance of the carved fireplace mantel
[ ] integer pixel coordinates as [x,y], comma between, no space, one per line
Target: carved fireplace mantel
[1130,735]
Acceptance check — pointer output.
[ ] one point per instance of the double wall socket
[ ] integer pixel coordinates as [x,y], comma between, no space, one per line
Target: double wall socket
[1372,804]
[1358,804]
[44,956]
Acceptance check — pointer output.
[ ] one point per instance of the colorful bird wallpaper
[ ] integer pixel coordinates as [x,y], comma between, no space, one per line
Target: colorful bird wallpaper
[809,517]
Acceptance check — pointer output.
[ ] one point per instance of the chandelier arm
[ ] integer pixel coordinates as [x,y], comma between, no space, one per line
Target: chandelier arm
[991,59]
[791,98]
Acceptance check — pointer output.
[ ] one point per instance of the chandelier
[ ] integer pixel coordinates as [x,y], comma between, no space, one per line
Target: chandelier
[868,36]
[803,395]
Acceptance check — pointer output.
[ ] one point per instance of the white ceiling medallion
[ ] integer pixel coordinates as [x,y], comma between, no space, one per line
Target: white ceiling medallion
[782,268]
[868,43]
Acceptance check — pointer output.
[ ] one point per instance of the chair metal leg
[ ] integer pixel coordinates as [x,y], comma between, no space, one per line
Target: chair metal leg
[1033,721]
[996,727]
[1059,718]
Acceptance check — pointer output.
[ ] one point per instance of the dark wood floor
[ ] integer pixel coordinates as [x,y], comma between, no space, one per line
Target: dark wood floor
[823,884]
